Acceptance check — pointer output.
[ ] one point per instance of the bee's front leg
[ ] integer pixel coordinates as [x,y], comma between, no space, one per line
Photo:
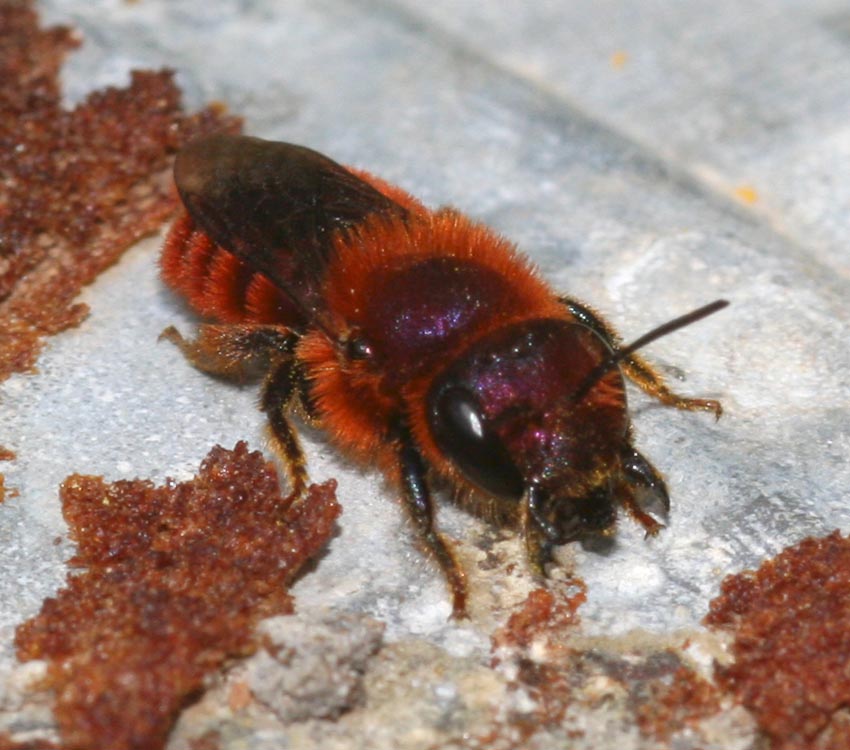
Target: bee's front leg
[417,499]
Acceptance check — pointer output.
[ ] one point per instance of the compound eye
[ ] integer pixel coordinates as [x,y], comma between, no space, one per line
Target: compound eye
[462,433]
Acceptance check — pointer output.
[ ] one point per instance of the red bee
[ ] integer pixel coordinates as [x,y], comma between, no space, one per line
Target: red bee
[418,340]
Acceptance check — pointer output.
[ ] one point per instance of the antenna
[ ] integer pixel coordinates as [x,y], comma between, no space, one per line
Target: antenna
[618,355]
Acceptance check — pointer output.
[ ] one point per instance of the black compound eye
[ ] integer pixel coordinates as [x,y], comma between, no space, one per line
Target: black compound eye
[462,433]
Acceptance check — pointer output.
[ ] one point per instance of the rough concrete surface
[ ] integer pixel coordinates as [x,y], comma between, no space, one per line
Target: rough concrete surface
[650,158]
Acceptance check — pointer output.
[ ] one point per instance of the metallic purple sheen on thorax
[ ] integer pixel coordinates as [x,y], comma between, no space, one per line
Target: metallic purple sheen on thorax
[429,307]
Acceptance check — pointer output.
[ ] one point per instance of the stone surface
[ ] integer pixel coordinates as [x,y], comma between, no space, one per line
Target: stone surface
[312,667]
[649,158]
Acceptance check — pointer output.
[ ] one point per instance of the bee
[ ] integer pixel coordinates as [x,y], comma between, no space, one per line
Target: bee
[420,341]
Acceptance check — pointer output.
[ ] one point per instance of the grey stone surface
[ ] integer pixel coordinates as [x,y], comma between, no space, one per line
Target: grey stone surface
[754,94]
[312,667]
[607,139]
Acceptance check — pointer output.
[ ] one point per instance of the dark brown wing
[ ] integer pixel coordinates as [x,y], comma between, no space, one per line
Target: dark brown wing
[275,206]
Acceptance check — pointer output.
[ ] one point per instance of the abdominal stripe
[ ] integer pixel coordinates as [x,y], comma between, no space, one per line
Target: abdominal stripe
[217,283]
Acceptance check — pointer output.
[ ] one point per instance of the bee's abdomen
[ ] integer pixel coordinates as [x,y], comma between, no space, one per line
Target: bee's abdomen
[218,284]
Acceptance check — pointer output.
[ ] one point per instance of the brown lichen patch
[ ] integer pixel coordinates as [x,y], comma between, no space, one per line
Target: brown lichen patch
[674,702]
[79,186]
[790,620]
[652,686]
[535,641]
[174,580]
[565,688]
[542,616]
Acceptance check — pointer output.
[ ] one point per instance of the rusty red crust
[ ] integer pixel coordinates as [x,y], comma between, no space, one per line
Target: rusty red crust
[173,580]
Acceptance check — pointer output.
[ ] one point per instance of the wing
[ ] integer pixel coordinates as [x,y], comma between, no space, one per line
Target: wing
[275,206]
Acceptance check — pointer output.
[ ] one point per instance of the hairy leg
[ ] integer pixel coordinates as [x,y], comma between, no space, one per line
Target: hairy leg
[233,352]
[417,499]
[279,389]
[240,352]
[638,370]
[537,535]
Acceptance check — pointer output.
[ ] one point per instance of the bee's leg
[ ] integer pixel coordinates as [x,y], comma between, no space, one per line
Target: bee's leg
[232,351]
[417,499]
[309,408]
[637,369]
[538,544]
[236,352]
[641,489]
[279,389]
